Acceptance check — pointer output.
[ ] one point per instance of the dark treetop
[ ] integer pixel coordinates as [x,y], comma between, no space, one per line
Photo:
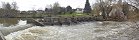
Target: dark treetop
[87,8]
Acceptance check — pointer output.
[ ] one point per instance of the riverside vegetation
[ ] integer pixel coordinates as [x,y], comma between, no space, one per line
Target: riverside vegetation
[102,10]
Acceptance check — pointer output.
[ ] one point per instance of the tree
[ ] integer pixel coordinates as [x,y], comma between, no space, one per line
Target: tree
[8,6]
[134,3]
[62,10]
[96,8]
[56,5]
[3,5]
[69,9]
[14,6]
[103,8]
[87,8]
[46,9]
[56,8]
[125,8]
[9,10]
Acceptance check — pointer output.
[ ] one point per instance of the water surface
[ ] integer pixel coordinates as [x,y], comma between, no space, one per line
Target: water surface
[83,31]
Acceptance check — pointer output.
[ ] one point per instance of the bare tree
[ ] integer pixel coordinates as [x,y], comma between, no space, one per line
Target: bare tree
[134,3]
[14,6]
[3,5]
[6,6]
[69,9]
[56,8]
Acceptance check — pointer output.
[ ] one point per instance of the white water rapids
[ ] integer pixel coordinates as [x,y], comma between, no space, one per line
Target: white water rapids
[83,31]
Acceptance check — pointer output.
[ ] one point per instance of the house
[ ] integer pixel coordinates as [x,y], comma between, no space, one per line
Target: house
[31,11]
[40,11]
[79,10]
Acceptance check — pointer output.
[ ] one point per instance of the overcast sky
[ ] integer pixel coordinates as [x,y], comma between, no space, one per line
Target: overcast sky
[41,4]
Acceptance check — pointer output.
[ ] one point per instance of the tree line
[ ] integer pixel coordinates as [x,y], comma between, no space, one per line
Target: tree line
[116,9]
[8,10]
[105,8]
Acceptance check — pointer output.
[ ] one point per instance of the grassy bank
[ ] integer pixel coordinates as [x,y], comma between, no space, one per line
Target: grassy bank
[74,15]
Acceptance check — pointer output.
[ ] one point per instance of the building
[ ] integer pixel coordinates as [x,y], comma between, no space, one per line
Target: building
[79,10]
[40,11]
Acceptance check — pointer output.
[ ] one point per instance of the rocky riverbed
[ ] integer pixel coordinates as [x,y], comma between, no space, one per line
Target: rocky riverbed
[84,31]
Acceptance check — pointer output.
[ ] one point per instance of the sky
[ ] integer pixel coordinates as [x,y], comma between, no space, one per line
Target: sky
[25,5]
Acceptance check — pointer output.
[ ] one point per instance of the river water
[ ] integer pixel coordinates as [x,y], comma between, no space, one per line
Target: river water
[107,30]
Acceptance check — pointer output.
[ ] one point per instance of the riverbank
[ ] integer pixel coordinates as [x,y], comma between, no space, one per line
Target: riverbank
[60,20]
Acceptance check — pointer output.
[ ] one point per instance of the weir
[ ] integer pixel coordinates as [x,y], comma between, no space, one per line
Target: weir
[2,36]
[7,30]
[59,20]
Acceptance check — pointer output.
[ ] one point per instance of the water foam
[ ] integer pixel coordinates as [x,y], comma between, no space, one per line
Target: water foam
[86,31]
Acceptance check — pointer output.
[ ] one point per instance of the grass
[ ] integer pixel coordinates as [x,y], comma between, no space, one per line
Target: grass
[62,15]
[74,14]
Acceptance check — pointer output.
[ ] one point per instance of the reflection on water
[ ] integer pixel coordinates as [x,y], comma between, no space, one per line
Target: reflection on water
[9,21]
[12,21]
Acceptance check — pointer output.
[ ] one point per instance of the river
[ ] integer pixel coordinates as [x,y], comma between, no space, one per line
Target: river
[107,30]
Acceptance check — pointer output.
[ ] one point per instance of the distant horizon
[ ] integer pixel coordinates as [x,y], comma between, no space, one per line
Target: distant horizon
[25,5]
